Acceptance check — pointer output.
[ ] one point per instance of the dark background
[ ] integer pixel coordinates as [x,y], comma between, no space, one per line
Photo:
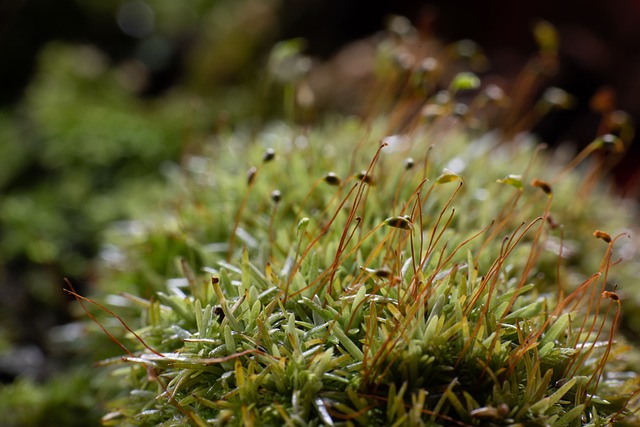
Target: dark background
[600,45]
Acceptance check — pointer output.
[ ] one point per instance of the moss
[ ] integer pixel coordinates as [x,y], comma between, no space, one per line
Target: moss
[406,279]
[418,265]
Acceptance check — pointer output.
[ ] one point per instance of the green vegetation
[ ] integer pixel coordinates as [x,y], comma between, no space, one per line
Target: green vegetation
[397,301]
[352,274]
[84,148]
[417,266]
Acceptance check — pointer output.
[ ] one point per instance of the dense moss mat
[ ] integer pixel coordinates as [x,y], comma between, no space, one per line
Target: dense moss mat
[420,281]
[426,263]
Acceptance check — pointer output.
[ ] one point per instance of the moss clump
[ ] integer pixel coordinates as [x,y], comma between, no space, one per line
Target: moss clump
[444,274]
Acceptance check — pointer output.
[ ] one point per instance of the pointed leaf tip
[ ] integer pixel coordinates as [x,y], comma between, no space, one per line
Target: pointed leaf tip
[302,224]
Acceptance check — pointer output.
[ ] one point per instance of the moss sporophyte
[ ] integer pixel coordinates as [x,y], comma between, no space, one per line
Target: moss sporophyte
[451,277]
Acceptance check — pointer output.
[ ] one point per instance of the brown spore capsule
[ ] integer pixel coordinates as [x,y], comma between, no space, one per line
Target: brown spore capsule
[332,179]
[268,155]
[598,234]
[408,163]
[218,311]
[383,273]
[543,185]
[364,177]
[403,222]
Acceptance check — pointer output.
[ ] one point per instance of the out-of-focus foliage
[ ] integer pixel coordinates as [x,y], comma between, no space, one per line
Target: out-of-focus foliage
[89,150]
[450,276]
[83,148]
[84,142]
[68,399]
[91,142]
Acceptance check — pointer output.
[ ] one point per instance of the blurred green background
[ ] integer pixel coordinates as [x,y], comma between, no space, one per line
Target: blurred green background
[100,98]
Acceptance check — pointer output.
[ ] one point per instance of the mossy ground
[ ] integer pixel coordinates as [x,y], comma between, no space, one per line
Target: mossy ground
[413,282]
[418,265]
